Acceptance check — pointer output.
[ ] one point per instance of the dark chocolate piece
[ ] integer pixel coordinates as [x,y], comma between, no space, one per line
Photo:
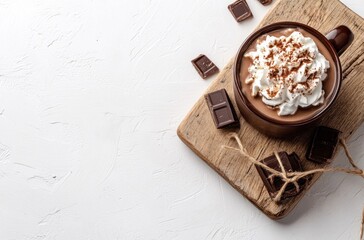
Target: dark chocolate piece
[323,145]
[265,2]
[240,10]
[291,163]
[204,66]
[222,111]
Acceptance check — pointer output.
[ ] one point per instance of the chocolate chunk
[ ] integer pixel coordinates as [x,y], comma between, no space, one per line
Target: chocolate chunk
[204,66]
[323,145]
[222,110]
[265,2]
[291,163]
[240,10]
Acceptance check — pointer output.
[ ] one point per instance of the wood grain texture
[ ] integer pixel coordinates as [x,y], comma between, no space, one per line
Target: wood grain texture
[198,132]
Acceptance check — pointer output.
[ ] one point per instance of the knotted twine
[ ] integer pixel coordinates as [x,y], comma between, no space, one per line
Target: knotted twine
[294,177]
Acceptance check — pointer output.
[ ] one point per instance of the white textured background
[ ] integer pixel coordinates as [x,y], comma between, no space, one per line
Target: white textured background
[91,94]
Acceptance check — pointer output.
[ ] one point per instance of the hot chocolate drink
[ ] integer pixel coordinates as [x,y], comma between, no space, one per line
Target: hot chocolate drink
[287,75]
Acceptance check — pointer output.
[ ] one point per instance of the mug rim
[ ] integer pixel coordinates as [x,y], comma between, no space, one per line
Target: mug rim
[275,26]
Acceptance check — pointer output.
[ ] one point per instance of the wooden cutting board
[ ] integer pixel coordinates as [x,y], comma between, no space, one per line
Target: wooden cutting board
[198,132]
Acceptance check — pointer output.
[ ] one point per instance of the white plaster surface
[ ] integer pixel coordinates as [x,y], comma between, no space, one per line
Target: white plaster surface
[80,160]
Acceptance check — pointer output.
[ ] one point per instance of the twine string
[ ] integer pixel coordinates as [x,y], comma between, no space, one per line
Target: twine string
[362,226]
[294,177]
[347,153]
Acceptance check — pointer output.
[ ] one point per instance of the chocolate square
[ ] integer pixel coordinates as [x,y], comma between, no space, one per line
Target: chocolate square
[291,163]
[204,66]
[265,2]
[218,97]
[240,10]
[323,145]
[221,109]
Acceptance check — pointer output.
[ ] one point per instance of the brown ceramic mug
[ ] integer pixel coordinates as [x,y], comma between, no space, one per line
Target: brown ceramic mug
[333,44]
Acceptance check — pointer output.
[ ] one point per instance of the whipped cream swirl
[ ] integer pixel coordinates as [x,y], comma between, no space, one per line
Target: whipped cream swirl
[287,72]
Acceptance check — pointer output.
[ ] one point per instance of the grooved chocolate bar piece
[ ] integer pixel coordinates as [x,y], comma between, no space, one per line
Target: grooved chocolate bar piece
[204,66]
[265,2]
[240,10]
[273,183]
[323,145]
[222,111]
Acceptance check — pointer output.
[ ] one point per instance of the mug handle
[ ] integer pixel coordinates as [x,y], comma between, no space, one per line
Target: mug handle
[340,38]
